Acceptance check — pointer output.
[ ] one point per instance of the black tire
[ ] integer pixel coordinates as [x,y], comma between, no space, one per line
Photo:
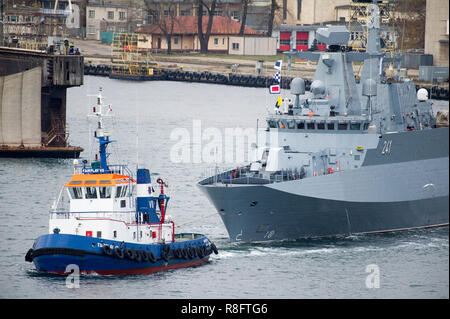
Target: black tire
[151,257]
[118,253]
[144,255]
[184,253]
[189,253]
[177,253]
[200,253]
[129,254]
[29,255]
[214,248]
[107,250]
[137,256]
[193,251]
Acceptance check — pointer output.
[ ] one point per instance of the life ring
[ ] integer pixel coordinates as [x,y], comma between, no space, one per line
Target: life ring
[151,257]
[214,248]
[118,253]
[107,250]
[144,255]
[137,256]
[129,254]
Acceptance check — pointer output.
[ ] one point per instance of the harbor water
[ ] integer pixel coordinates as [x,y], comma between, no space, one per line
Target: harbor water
[148,115]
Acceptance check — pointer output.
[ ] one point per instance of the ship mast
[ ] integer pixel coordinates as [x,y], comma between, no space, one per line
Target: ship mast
[100,111]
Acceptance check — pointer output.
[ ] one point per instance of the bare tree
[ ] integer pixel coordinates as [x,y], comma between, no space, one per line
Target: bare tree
[273,7]
[410,26]
[204,37]
[244,16]
[164,15]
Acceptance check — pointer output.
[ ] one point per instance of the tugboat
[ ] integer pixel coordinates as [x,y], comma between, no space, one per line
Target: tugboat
[107,222]
[344,158]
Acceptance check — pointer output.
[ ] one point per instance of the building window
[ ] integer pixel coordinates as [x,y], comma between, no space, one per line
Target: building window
[216,41]
[91,14]
[236,15]
[235,46]
[299,9]
[91,29]
[284,9]
[111,15]
[185,12]
[175,40]
[121,15]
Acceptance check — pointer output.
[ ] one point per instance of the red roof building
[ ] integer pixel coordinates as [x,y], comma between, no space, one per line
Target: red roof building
[184,35]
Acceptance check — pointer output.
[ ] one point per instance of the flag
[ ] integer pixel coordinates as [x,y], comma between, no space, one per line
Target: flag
[274,89]
[278,64]
[278,103]
[277,77]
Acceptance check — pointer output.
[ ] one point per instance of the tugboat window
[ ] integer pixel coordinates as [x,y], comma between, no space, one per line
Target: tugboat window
[310,126]
[330,126]
[76,192]
[355,126]
[105,192]
[342,126]
[118,191]
[91,192]
[291,124]
[301,125]
[320,126]
[124,191]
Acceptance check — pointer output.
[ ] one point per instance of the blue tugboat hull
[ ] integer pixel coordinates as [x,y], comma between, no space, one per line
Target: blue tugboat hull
[53,253]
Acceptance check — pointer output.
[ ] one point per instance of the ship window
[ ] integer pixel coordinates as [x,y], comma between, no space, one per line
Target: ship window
[99,234]
[115,234]
[76,192]
[105,182]
[118,191]
[91,192]
[75,182]
[90,182]
[310,126]
[320,126]
[342,126]
[272,124]
[105,192]
[366,126]
[330,126]
[124,191]
[291,124]
[355,126]
[301,125]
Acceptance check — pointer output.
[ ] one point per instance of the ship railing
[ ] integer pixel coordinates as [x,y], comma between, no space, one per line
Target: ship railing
[130,218]
[243,175]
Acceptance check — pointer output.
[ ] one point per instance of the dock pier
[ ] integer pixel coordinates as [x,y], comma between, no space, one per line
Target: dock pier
[33,91]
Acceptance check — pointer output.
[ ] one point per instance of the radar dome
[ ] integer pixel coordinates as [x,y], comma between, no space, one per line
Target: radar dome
[297,86]
[422,95]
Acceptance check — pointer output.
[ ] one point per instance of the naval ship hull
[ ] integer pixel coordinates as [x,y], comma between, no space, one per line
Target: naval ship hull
[404,189]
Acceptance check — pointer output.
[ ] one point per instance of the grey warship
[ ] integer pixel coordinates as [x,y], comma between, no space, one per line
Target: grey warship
[344,158]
